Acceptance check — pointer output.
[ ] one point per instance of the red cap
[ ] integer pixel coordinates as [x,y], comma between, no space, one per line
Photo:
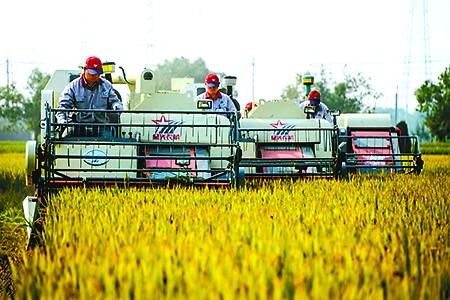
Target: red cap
[212,80]
[94,65]
[314,97]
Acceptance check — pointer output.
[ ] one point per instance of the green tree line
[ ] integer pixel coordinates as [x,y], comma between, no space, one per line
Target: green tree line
[349,95]
[21,112]
[434,101]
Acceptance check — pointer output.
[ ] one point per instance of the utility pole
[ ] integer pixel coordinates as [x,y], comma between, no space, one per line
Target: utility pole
[396,107]
[253,79]
[7,72]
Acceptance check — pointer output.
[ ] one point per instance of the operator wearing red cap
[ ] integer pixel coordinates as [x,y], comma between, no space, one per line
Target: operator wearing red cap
[88,91]
[221,101]
[321,111]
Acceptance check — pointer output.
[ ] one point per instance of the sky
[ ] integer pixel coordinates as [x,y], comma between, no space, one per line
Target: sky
[264,43]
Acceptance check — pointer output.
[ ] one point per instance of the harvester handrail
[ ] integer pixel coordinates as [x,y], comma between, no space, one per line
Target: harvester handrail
[191,112]
[165,157]
[104,124]
[379,136]
[289,129]
[126,142]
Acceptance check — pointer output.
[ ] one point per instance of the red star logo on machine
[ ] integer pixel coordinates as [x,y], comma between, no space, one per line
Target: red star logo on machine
[278,124]
[162,121]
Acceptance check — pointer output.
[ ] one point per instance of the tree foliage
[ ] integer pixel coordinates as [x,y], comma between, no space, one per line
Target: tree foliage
[293,91]
[434,101]
[179,67]
[23,113]
[349,95]
[10,101]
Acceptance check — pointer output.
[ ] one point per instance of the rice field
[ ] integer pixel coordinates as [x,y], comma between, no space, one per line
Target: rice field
[367,237]
[435,148]
[12,146]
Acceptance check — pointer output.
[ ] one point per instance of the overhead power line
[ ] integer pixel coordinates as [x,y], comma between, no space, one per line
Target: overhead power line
[426,41]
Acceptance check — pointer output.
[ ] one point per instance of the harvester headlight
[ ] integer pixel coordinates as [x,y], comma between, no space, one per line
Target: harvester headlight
[309,109]
[204,104]
[336,112]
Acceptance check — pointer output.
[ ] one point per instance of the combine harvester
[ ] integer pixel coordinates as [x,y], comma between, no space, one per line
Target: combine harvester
[370,143]
[278,140]
[163,138]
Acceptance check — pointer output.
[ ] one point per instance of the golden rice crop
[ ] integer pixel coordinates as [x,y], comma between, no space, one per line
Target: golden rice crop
[12,187]
[366,237]
[12,177]
[12,163]
[12,147]
[12,231]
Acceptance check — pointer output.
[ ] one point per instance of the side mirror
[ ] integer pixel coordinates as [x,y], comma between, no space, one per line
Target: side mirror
[204,104]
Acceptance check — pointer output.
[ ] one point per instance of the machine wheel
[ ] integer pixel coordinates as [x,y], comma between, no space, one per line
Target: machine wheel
[240,178]
[340,165]
[343,171]
[419,165]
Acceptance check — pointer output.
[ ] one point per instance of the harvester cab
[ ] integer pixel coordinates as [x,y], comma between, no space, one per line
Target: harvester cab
[280,140]
[369,143]
[162,138]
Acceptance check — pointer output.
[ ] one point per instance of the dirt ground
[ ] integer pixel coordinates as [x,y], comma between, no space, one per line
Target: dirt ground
[12,246]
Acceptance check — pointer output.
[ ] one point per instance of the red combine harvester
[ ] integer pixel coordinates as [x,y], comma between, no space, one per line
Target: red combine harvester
[369,143]
[280,140]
